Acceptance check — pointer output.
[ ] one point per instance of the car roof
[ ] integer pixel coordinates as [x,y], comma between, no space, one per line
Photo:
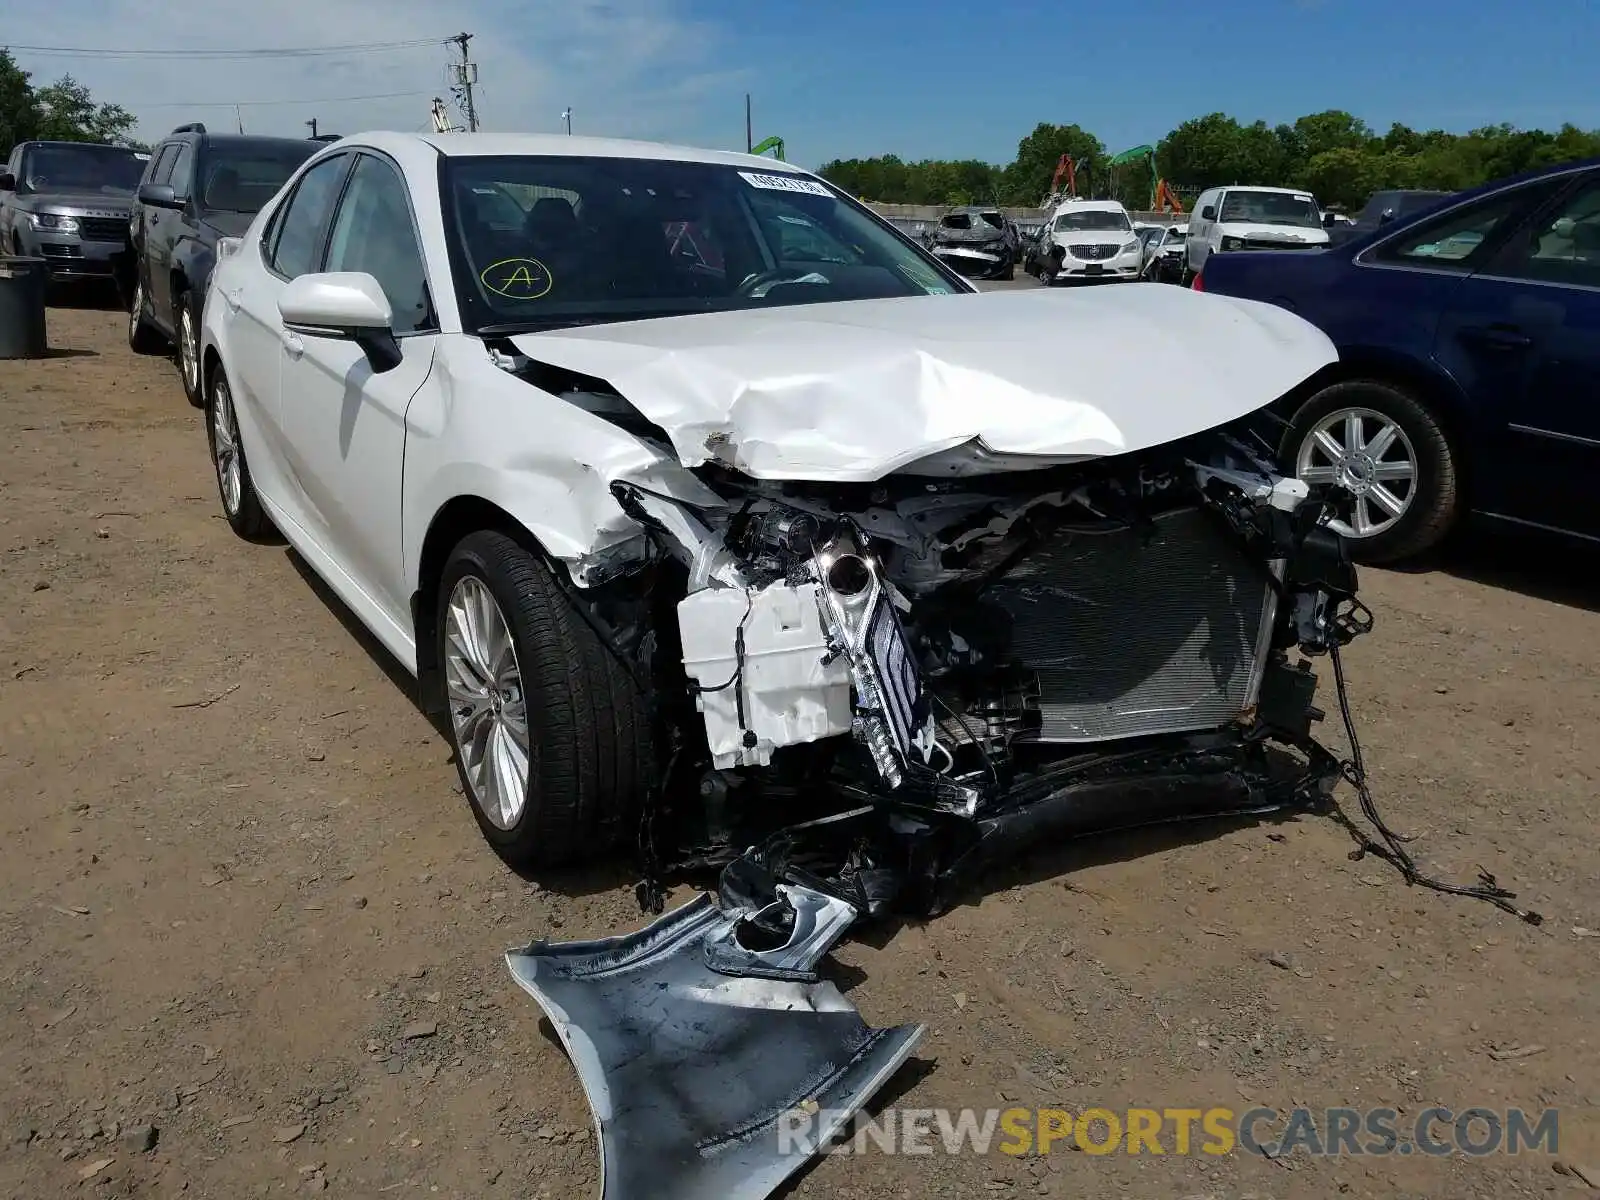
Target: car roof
[90,145]
[1251,187]
[1454,200]
[482,145]
[1091,206]
[237,141]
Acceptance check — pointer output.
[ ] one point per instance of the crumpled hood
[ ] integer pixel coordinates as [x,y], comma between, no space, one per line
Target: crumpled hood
[857,390]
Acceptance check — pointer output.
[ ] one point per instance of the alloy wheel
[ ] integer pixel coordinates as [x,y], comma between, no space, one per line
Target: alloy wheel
[1371,456]
[225,447]
[188,359]
[488,708]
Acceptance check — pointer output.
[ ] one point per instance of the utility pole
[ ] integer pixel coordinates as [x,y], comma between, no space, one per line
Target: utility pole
[466,78]
[313,124]
[566,116]
[749,137]
[239,117]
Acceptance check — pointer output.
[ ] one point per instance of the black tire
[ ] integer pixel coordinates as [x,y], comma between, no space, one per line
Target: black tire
[588,724]
[143,337]
[246,517]
[1436,496]
[183,308]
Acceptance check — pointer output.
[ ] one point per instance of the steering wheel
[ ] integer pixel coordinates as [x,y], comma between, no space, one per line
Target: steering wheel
[757,285]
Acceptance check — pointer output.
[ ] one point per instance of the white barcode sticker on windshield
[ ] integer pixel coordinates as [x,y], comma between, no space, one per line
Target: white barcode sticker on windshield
[1302,196]
[784,183]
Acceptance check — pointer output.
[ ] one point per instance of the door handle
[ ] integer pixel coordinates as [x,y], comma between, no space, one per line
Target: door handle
[1498,336]
[292,345]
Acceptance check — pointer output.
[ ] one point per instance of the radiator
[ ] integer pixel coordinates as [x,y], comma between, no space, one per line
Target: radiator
[1134,633]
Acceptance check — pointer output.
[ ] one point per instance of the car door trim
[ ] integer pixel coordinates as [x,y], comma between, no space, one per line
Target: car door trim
[1573,438]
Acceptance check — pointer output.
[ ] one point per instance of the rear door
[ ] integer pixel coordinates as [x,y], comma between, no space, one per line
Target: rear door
[1529,324]
[291,244]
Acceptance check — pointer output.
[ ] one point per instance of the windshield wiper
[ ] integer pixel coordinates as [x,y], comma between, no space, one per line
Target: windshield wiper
[545,324]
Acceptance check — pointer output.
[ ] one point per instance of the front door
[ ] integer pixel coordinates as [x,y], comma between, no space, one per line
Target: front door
[344,423]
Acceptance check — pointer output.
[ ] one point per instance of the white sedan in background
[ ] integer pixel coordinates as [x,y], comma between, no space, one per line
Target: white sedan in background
[679,479]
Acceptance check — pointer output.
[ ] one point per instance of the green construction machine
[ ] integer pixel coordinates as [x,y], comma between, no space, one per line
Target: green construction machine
[775,144]
[1162,198]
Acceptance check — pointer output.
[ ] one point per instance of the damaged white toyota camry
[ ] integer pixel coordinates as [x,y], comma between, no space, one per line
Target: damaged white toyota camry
[719,520]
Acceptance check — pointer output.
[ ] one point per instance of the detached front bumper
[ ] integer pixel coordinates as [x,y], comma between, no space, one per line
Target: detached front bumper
[976,261]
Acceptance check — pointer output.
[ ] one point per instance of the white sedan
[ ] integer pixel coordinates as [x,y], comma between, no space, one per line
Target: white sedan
[692,490]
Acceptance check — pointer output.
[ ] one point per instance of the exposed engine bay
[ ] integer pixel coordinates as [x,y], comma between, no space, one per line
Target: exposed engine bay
[878,687]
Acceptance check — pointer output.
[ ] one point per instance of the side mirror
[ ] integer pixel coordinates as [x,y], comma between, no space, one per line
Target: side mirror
[1208,213]
[8,182]
[344,305]
[159,195]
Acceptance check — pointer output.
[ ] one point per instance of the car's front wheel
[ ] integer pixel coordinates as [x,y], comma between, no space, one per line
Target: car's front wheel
[240,504]
[551,732]
[1390,454]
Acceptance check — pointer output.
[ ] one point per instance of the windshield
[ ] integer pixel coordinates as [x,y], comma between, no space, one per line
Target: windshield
[1093,220]
[87,168]
[1271,208]
[243,180]
[1176,235]
[588,240]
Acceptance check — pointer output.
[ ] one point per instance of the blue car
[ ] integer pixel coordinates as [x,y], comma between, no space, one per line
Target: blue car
[1469,372]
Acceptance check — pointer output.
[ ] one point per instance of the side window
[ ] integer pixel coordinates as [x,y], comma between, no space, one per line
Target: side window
[794,234]
[303,219]
[1462,238]
[1564,246]
[373,232]
[161,172]
[182,170]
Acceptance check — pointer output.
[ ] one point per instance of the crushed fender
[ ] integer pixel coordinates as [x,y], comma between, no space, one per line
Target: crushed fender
[696,1035]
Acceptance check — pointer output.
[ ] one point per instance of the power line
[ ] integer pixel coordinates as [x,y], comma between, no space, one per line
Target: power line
[195,54]
[274,103]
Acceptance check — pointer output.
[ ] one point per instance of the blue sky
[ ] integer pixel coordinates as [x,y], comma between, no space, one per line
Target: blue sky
[939,78]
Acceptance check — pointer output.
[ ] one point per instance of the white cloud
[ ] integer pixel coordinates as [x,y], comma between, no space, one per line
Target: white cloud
[634,68]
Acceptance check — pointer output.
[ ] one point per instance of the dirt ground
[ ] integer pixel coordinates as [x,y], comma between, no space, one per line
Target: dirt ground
[243,901]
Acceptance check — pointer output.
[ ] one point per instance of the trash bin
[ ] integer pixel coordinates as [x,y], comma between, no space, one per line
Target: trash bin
[22,333]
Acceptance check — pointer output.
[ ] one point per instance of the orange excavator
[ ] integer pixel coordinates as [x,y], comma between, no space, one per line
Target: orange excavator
[1066,167]
[1166,200]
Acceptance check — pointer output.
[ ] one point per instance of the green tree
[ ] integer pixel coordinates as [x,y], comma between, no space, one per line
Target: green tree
[68,113]
[18,110]
[1027,179]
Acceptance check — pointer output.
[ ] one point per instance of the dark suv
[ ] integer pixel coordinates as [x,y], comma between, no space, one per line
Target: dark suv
[199,188]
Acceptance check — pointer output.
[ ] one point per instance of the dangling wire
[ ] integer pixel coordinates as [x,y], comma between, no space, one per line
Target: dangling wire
[1392,850]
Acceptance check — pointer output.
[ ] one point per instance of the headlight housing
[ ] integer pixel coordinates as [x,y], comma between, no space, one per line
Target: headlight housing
[1232,243]
[1131,247]
[53,222]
